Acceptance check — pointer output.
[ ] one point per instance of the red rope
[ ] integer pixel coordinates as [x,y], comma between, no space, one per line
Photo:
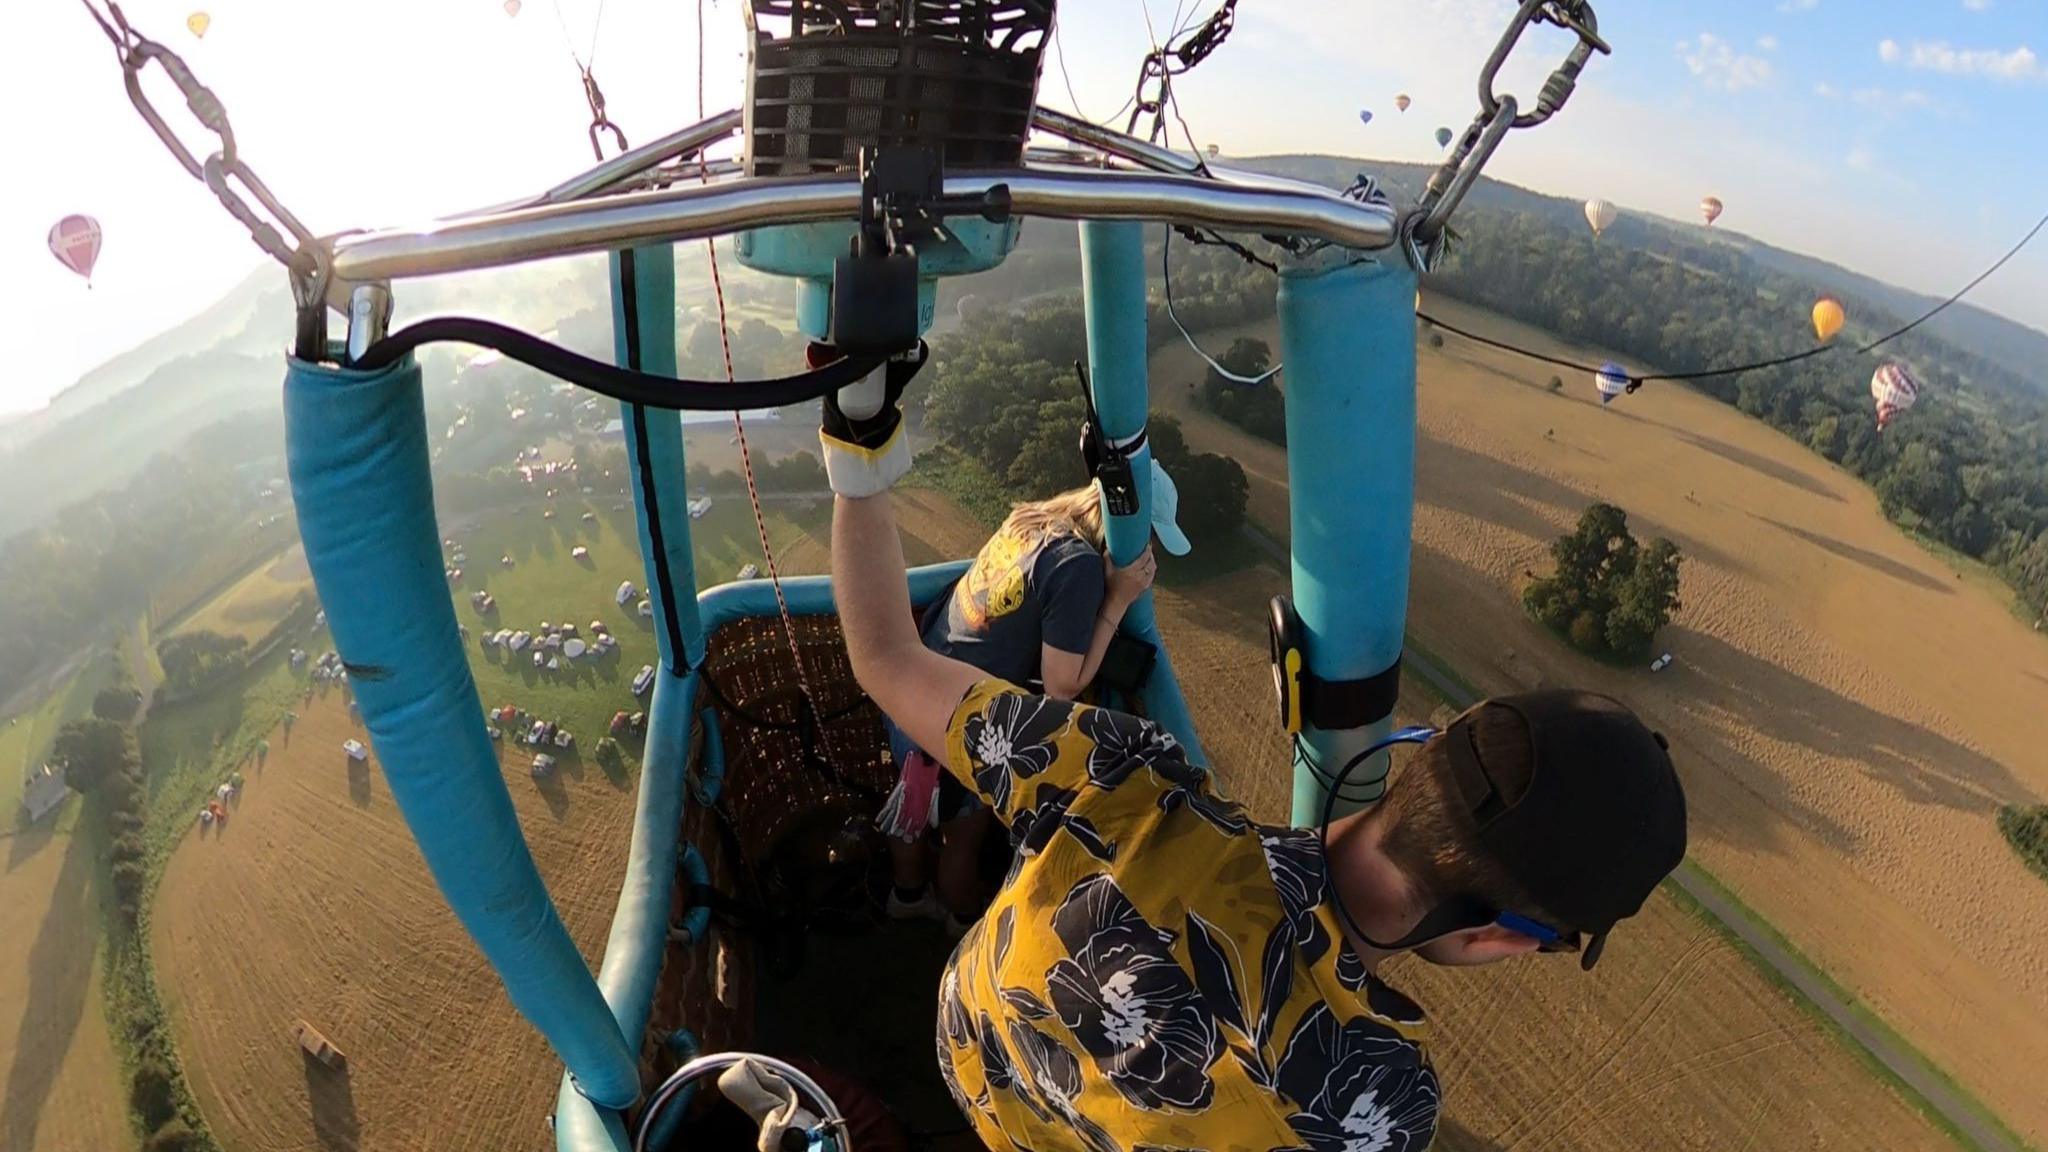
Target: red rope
[739,426]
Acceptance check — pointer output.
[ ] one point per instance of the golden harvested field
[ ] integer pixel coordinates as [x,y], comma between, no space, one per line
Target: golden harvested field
[253,605]
[63,1089]
[312,903]
[1675,1042]
[1848,711]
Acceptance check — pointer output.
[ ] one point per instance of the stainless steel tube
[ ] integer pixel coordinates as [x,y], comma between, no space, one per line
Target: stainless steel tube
[684,142]
[688,213]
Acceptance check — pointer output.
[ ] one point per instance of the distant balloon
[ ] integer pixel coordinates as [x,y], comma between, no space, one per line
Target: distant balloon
[75,240]
[1365,115]
[199,22]
[512,7]
[1827,318]
[1600,214]
[1401,102]
[1443,137]
[1214,151]
[1611,380]
[1710,208]
[967,301]
[1895,389]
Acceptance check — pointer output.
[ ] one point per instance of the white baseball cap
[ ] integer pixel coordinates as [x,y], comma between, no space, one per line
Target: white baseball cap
[1165,506]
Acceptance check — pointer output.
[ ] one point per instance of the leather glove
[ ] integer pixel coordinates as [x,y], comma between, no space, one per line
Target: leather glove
[865,456]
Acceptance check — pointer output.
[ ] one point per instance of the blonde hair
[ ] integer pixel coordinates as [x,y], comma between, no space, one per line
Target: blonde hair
[1077,512]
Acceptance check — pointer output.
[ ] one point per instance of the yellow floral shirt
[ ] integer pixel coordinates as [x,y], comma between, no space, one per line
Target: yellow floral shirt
[1158,972]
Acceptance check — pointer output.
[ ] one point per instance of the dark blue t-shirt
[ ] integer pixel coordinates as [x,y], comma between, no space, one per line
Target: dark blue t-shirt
[1021,593]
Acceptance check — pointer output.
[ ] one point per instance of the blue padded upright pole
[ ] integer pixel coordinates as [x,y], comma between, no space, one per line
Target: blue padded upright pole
[356,446]
[644,338]
[1113,296]
[1347,336]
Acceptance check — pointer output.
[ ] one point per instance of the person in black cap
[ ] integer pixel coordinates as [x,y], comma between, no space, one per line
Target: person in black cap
[1159,969]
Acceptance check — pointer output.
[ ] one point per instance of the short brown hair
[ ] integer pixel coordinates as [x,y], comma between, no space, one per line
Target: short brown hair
[1432,837]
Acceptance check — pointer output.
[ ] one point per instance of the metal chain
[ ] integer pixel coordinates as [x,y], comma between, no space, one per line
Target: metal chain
[275,229]
[1423,230]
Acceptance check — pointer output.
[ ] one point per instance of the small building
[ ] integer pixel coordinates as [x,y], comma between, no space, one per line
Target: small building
[748,572]
[318,1046]
[355,750]
[42,791]
[643,680]
[698,507]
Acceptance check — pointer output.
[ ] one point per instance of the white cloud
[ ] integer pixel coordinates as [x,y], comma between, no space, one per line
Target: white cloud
[1861,158]
[1825,90]
[1719,65]
[1798,5]
[1939,56]
[1767,43]
[1891,98]
[1977,5]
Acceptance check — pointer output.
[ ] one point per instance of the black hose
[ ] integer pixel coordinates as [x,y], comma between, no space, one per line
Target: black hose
[624,384]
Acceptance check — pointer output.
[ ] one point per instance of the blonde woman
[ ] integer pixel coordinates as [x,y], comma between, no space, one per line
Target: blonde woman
[1040,604]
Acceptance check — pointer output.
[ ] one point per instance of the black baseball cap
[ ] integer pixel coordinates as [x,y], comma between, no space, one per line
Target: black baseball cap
[1602,820]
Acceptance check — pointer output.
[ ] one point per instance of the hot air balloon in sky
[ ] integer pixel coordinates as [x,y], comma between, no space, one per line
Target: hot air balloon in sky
[1443,137]
[199,22]
[1894,388]
[1365,115]
[1611,380]
[75,240]
[1401,102]
[1214,151]
[1710,208]
[1600,214]
[512,7]
[1828,318]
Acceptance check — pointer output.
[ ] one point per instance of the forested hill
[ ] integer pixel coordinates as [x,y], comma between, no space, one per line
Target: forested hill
[2011,345]
[1967,467]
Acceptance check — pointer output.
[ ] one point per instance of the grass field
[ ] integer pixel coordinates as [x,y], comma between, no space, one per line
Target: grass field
[25,740]
[254,604]
[1848,710]
[62,1087]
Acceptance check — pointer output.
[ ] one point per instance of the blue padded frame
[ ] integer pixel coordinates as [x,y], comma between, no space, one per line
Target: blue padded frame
[356,449]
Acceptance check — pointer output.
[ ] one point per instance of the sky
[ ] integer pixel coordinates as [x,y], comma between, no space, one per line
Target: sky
[1900,138]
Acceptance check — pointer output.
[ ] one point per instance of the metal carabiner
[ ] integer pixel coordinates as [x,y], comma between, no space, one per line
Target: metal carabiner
[618,137]
[199,99]
[1575,16]
[1450,182]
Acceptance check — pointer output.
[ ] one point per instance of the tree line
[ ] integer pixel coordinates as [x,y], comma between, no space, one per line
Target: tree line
[1967,467]
[1003,391]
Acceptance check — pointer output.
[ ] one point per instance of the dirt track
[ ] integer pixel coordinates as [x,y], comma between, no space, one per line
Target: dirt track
[1847,711]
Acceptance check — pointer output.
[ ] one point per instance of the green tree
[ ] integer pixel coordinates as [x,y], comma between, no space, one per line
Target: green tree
[153,1094]
[175,1137]
[1213,493]
[93,751]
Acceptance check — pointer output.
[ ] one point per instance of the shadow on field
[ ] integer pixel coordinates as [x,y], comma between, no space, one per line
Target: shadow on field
[359,782]
[335,1124]
[1762,465]
[1926,767]
[1509,496]
[59,970]
[24,843]
[1883,565]
[1452,1136]
[553,791]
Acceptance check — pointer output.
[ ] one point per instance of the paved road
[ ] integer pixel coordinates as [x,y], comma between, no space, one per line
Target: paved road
[1903,1063]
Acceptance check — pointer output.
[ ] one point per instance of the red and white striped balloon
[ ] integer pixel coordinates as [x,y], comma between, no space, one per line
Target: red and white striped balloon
[75,240]
[1895,389]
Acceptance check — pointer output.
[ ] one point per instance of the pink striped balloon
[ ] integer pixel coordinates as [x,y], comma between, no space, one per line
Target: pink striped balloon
[1895,389]
[75,240]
